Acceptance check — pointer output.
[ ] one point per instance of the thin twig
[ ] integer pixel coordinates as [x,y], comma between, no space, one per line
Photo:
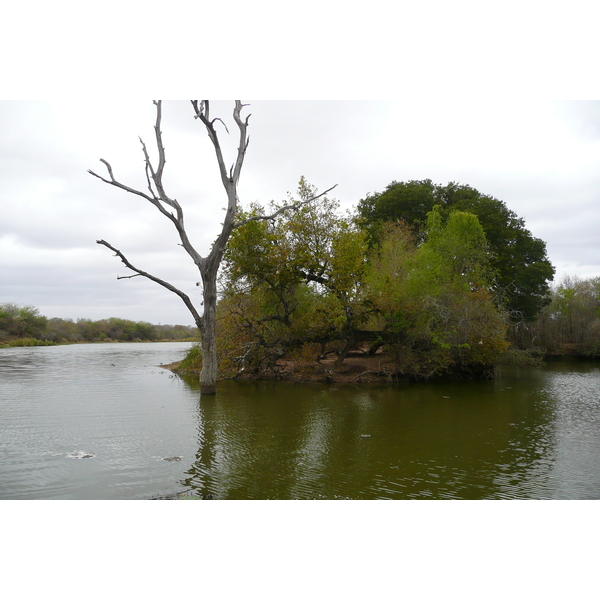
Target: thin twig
[272,216]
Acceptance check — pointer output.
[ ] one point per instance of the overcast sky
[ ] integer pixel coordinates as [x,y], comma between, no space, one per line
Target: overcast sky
[473,81]
[542,158]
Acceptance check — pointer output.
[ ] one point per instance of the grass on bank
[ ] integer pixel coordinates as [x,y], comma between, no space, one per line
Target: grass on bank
[26,342]
[192,361]
[21,342]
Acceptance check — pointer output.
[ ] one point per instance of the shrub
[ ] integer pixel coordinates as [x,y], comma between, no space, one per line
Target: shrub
[192,360]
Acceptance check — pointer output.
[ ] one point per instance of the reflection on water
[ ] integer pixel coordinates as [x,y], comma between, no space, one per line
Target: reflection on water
[468,440]
[576,434]
[137,431]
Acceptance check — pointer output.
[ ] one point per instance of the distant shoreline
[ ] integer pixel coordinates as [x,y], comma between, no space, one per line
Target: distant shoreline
[32,342]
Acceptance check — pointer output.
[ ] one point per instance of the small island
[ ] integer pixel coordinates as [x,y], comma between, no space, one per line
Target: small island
[423,281]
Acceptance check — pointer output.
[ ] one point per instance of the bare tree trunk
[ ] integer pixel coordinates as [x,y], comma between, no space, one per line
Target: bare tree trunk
[208,334]
[170,208]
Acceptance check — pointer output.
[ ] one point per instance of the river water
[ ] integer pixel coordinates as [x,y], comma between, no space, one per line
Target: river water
[104,421]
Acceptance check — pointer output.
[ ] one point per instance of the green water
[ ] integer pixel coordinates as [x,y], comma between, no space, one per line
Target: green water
[531,434]
[104,422]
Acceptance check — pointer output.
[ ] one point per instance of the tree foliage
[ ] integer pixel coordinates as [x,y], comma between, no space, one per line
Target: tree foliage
[26,322]
[570,324]
[292,280]
[21,321]
[307,282]
[522,269]
[433,300]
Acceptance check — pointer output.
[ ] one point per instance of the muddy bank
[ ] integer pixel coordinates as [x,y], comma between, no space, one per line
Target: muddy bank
[354,369]
[360,367]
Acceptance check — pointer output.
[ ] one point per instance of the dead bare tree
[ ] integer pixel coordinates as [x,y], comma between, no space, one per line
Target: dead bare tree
[208,266]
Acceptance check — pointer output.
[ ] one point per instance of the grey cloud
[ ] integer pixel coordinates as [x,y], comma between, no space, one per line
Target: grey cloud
[53,211]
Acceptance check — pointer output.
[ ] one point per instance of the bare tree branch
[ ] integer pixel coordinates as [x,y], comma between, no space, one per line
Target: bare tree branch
[229,180]
[202,114]
[147,168]
[155,177]
[295,205]
[244,140]
[165,284]
[222,122]
[113,181]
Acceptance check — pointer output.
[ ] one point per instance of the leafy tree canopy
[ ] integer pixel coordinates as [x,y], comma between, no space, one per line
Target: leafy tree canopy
[522,268]
[313,244]
[292,279]
[434,297]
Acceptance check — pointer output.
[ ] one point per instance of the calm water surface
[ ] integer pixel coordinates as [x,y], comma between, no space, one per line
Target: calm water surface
[105,422]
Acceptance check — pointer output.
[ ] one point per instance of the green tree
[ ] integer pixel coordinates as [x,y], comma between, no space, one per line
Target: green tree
[62,330]
[433,299]
[519,260]
[29,322]
[8,312]
[90,330]
[571,322]
[145,331]
[295,278]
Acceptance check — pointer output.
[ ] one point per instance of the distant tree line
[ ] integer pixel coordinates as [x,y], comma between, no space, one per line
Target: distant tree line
[24,324]
[443,279]
[569,323]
